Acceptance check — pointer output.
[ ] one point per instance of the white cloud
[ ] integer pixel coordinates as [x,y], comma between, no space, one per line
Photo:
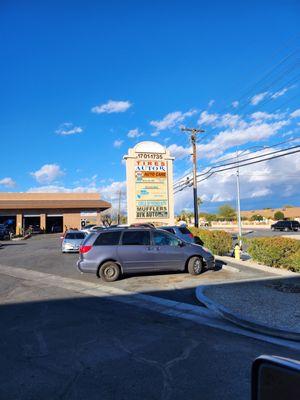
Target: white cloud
[111,193]
[279,93]
[261,115]
[112,106]
[211,103]
[47,173]
[68,128]
[118,143]
[172,119]
[235,104]
[207,119]
[261,193]
[217,120]
[258,98]
[154,134]
[281,175]
[7,182]
[296,113]
[62,189]
[179,152]
[251,132]
[230,120]
[134,133]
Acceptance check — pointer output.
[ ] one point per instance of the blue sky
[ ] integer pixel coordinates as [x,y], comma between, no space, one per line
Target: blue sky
[82,81]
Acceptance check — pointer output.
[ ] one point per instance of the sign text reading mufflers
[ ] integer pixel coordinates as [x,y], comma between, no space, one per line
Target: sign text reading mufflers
[151,186]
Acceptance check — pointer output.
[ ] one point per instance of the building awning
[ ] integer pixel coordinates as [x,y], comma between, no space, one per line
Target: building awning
[54,204]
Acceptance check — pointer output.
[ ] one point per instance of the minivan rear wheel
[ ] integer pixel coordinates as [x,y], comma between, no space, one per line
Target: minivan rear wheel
[109,271]
[195,265]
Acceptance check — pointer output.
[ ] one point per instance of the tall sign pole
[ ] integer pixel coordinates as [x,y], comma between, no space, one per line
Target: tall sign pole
[193,137]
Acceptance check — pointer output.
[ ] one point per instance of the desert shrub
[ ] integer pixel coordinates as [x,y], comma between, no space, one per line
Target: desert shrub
[275,251]
[293,262]
[278,215]
[218,242]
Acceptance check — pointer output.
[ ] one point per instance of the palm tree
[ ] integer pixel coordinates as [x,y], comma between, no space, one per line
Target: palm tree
[199,202]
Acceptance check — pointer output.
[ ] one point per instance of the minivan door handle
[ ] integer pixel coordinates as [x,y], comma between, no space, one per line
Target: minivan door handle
[149,248]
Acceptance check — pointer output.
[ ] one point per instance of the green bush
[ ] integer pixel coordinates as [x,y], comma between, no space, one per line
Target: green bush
[293,262]
[218,242]
[278,215]
[276,252]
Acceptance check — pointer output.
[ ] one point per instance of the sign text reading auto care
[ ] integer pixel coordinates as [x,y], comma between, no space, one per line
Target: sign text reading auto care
[151,186]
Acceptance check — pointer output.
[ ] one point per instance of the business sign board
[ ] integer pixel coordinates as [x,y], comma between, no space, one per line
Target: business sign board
[149,179]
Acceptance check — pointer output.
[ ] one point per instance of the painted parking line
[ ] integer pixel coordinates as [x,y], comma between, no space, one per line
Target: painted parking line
[171,308]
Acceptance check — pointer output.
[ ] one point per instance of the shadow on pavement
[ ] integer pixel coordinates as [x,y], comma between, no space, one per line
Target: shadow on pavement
[6,244]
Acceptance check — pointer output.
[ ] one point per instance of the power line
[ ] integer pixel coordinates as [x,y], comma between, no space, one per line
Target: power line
[243,159]
[240,165]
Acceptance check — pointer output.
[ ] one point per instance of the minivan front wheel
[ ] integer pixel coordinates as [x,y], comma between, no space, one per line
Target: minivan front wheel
[195,266]
[109,271]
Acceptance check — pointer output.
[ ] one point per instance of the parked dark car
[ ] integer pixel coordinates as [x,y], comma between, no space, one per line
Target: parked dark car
[286,226]
[4,232]
[114,252]
[35,229]
[182,232]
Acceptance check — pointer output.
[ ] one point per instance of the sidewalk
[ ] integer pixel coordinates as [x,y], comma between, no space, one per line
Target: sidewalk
[269,305]
[252,264]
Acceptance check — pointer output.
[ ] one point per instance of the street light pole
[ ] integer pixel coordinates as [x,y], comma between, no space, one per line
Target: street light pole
[238,199]
[119,208]
[238,189]
[193,137]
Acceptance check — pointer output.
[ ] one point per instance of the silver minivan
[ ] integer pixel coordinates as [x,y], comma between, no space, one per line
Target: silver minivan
[114,252]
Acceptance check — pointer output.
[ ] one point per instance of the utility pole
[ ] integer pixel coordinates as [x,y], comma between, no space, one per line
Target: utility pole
[238,199]
[119,207]
[193,137]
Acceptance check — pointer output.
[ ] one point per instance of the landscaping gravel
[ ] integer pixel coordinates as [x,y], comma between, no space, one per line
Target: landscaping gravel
[271,302]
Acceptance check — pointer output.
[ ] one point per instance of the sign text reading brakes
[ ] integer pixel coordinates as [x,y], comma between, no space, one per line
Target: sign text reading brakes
[150,166]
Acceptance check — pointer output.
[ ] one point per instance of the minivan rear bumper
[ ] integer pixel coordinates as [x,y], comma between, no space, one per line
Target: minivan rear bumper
[85,266]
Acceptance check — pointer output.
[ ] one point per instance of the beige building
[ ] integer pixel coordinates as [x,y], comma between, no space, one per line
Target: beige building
[51,211]
[289,212]
[149,176]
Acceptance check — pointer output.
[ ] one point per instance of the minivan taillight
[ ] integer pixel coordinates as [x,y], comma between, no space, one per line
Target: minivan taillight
[84,249]
[191,235]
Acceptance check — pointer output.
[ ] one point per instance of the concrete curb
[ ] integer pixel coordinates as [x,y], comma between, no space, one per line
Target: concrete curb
[261,267]
[241,321]
[230,268]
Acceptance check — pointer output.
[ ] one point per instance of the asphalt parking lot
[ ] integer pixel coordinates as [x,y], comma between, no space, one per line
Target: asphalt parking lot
[42,253]
[66,336]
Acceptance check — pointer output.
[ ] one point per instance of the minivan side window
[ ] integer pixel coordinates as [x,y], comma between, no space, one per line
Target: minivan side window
[136,238]
[108,239]
[163,239]
[170,230]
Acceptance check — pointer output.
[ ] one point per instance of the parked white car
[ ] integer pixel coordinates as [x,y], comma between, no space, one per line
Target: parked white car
[72,241]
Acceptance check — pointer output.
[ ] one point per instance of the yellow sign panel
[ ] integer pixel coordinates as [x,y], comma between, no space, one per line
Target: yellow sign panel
[151,188]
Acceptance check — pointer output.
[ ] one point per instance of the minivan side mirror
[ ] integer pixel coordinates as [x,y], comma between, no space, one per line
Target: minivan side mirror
[275,378]
[198,241]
